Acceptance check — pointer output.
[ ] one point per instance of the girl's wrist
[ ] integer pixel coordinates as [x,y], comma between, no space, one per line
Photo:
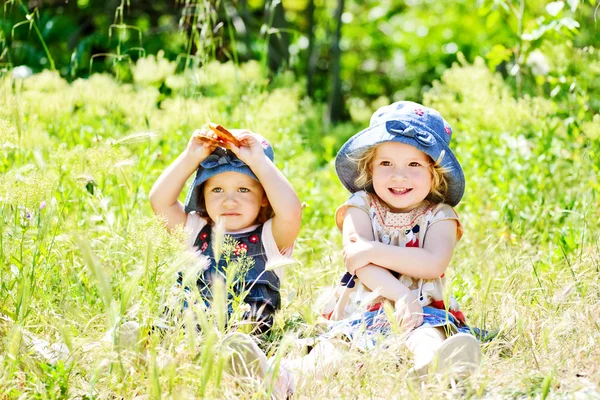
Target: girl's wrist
[258,164]
[406,297]
[374,249]
[193,157]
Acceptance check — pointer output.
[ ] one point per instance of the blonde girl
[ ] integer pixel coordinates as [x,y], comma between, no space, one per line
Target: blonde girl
[399,231]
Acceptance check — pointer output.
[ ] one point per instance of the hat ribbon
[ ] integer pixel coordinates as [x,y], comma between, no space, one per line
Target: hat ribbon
[219,158]
[398,128]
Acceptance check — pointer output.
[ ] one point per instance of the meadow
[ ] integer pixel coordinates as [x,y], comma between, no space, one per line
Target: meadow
[82,253]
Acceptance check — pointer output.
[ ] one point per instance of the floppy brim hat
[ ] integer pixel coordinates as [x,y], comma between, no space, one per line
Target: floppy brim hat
[409,123]
[219,161]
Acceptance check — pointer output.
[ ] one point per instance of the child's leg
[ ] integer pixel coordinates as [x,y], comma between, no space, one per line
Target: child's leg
[458,354]
[246,358]
[323,361]
[424,343]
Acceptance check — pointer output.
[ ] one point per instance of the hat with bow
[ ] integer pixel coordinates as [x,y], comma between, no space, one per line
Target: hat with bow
[219,161]
[409,123]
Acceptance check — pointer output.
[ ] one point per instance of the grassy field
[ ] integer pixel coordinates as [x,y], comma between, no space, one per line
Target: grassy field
[82,253]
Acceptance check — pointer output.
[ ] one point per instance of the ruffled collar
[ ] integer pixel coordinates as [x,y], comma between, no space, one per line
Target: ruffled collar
[397,220]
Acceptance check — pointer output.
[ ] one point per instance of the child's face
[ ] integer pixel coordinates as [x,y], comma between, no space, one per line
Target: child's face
[234,197]
[401,175]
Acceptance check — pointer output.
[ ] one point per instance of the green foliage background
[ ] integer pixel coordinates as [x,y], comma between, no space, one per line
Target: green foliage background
[394,49]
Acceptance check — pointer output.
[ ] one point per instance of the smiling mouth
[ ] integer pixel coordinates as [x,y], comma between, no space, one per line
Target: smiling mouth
[399,191]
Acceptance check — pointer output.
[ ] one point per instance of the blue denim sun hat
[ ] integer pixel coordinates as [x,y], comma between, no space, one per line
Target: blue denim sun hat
[220,160]
[409,123]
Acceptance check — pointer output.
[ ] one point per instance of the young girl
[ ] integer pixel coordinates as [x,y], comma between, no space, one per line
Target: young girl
[399,233]
[240,188]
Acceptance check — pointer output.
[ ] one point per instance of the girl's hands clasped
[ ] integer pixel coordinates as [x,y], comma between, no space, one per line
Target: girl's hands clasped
[357,252]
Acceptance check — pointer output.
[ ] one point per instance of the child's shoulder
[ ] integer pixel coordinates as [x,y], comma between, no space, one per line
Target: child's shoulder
[443,212]
[360,200]
[193,225]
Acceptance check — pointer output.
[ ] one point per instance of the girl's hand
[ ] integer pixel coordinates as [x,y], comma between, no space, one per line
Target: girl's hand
[250,150]
[409,314]
[201,144]
[357,253]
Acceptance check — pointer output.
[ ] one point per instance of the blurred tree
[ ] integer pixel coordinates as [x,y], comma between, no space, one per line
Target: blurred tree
[310,54]
[277,35]
[336,102]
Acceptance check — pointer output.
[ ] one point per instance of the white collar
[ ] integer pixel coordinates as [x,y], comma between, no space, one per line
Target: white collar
[243,230]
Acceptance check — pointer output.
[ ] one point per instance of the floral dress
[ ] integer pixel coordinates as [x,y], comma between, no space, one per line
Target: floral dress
[260,279]
[358,313]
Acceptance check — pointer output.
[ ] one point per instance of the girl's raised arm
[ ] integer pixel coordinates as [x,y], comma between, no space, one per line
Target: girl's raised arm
[282,196]
[163,195]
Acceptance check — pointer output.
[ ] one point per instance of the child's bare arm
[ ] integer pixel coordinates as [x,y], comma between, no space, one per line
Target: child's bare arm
[428,262]
[408,309]
[282,196]
[382,280]
[357,223]
[284,201]
[163,195]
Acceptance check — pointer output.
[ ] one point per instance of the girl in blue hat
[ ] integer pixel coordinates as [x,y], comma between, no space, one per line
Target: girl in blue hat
[240,189]
[399,231]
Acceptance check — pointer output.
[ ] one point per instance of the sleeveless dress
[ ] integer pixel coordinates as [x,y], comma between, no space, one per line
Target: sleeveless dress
[254,248]
[358,314]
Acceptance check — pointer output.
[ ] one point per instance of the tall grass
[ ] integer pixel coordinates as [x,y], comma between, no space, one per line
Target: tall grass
[83,256]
